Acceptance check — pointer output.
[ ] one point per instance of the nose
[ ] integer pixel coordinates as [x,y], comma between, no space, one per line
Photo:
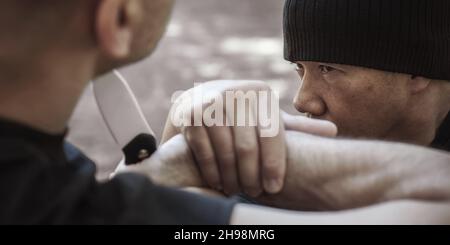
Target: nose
[308,99]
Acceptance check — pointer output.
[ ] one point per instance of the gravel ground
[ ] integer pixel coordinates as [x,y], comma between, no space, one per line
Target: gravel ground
[206,40]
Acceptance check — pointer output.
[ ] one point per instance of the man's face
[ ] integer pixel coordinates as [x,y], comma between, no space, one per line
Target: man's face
[361,102]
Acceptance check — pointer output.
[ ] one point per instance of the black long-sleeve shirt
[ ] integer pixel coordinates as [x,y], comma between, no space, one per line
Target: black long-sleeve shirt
[44,180]
[442,140]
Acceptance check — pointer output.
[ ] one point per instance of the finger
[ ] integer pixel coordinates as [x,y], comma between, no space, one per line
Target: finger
[198,140]
[247,150]
[274,160]
[246,147]
[310,126]
[222,141]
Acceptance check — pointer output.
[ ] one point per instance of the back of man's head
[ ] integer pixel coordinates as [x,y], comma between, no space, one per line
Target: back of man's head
[121,31]
[29,27]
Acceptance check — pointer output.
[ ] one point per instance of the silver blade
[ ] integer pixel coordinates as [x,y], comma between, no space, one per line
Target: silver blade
[120,109]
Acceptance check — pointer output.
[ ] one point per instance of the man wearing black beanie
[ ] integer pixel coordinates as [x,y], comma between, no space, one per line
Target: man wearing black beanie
[377,69]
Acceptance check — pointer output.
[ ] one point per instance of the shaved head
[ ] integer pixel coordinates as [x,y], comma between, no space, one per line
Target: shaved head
[31,27]
[36,15]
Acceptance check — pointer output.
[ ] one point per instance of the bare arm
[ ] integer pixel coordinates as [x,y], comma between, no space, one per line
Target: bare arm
[328,174]
[336,174]
[333,174]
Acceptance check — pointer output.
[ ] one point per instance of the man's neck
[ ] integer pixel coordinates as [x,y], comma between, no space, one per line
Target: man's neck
[43,95]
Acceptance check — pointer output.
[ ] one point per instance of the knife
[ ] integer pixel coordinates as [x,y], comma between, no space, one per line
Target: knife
[124,117]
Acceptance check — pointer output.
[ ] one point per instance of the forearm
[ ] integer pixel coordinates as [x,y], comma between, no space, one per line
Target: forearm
[329,174]
[171,166]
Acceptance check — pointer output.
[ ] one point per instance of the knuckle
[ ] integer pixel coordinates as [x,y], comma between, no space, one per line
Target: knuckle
[246,150]
[227,159]
[205,158]
[272,168]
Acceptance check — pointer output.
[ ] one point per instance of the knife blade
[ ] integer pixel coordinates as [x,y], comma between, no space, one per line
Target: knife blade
[124,117]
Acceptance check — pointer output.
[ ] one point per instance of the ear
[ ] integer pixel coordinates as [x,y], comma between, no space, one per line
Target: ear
[113,29]
[418,84]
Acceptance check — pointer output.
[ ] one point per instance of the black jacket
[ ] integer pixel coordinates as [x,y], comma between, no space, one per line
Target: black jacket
[46,181]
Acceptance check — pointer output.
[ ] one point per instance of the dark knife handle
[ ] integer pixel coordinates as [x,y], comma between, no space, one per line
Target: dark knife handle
[140,148]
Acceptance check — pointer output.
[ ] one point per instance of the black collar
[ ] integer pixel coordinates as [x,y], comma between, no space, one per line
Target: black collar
[442,140]
[50,145]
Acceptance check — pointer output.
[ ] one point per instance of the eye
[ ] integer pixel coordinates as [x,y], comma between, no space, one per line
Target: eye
[324,69]
[300,69]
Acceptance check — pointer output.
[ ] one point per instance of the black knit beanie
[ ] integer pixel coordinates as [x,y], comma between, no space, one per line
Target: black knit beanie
[404,36]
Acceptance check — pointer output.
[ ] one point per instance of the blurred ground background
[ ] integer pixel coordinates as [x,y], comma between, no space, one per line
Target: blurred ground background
[206,40]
